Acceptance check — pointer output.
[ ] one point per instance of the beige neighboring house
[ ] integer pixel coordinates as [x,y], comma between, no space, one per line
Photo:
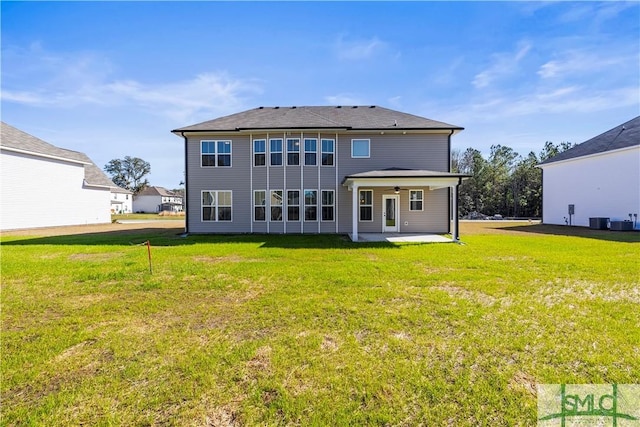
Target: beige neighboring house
[156,200]
[121,200]
[42,185]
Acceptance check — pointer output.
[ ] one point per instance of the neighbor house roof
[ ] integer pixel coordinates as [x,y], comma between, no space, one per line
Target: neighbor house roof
[14,139]
[157,191]
[319,117]
[622,136]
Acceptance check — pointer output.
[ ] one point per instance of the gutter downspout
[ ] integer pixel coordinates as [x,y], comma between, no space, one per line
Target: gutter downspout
[185,199]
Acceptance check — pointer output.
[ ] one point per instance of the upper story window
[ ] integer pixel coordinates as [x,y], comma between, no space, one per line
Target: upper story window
[259,152]
[215,153]
[360,148]
[310,151]
[293,151]
[415,200]
[275,151]
[328,150]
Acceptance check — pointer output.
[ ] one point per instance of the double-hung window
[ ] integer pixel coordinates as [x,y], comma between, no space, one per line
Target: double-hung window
[293,151]
[215,153]
[216,205]
[259,205]
[259,152]
[310,205]
[415,200]
[276,205]
[366,205]
[275,150]
[293,205]
[328,205]
[310,151]
[328,149]
[360,148]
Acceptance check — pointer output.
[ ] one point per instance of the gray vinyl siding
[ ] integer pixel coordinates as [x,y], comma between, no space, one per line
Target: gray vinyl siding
[234,178]
[423,151]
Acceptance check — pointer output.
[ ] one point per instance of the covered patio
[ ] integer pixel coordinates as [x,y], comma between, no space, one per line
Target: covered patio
[397,179]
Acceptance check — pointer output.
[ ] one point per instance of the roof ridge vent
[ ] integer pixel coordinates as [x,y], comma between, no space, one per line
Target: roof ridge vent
[260,108]
[355,106]
[294,107]
[372,106]
[275,108]
[339,106]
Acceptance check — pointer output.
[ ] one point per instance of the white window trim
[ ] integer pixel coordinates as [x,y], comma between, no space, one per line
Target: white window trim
[333,206]
[304,206]
[215,153]
[300,218]
[256,206]
[328,152]
[305,152]
[286,149]
[421,200]
[253,149]
[360,205]
[281,205]
[282,142]
[369,150]
[216,205]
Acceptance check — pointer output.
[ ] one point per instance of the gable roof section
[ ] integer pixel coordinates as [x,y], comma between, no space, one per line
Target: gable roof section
[622,136]
[319,117]
[14,139]
[157,191]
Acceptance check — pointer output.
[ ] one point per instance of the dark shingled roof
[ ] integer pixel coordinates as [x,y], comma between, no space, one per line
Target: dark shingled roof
[622,136]
[157,191]
[11,137]
[326,117]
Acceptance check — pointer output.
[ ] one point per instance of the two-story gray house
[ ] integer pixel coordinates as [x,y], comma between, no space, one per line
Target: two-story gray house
[340,169]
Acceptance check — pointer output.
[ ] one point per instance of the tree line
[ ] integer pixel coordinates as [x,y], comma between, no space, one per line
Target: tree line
[505,183]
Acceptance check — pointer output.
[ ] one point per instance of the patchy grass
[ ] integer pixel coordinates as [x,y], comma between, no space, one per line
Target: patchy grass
[312,330]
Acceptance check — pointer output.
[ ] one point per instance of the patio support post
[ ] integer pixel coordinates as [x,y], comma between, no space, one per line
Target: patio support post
[454,193]
[354,213]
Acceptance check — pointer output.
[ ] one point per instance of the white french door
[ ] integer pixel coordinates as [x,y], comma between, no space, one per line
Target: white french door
[390,213]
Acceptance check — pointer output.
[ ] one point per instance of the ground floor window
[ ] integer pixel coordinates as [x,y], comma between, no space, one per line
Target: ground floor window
[216,205]
[366,205]
[276,205]
[259,205]
[293,205]
[415,200]
[328,205]
[310,205]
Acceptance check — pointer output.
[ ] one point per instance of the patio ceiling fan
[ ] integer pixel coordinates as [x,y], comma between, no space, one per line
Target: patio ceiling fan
[396,189]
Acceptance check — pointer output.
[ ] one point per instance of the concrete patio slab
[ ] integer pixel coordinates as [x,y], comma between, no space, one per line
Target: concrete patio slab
[402,238]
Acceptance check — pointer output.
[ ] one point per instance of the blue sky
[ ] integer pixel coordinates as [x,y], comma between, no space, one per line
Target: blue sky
[112,79]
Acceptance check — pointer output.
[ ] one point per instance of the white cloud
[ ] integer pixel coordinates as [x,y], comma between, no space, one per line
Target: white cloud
[577,62]
[503,64]
[70,81]
[344,99]
[353,50]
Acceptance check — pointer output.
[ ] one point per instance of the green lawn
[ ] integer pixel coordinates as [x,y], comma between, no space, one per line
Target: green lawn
[143,216]
[311,330]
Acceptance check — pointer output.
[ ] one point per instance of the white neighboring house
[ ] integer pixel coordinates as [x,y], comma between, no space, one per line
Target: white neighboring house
[600,178]
[157,199]
[121,200]
[42,185]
